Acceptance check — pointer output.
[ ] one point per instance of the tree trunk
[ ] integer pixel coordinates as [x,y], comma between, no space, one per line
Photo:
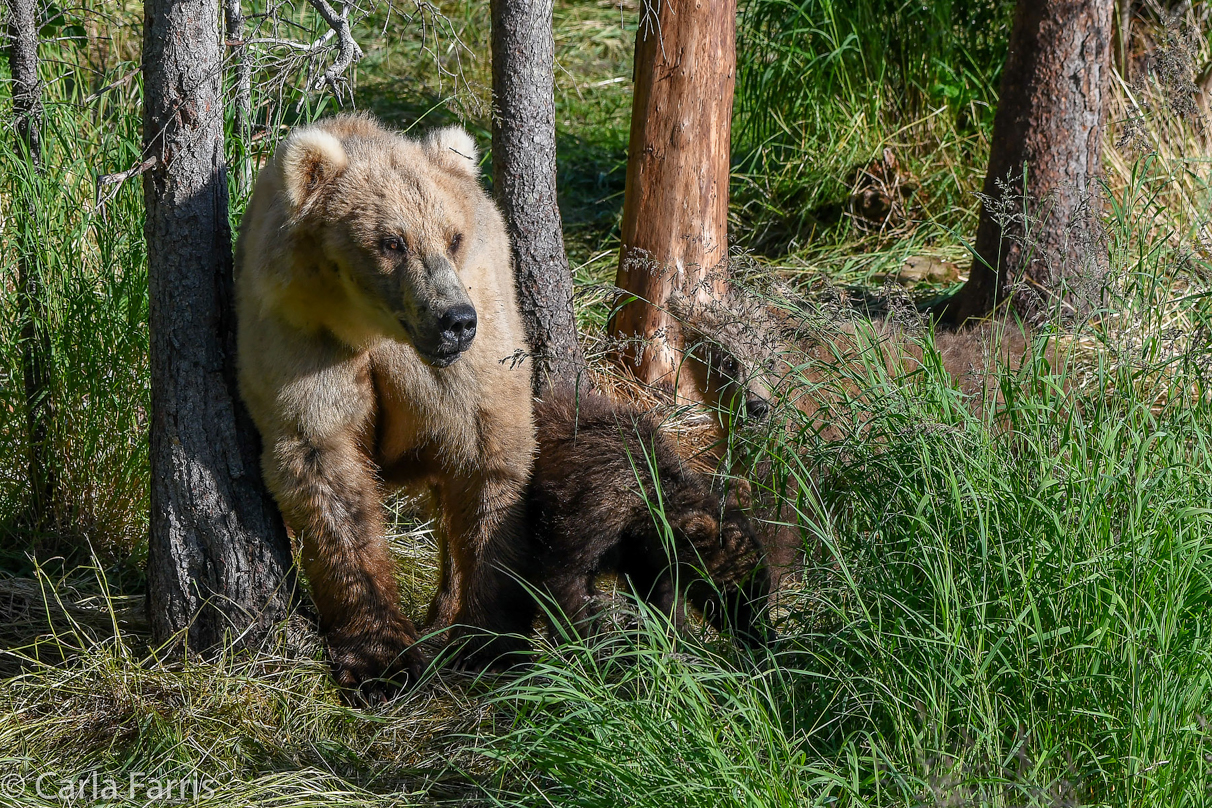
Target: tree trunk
[675,208]
[31,292]
[1123,38]
[233,18]
[524,180]
[1045,160]
[219,561]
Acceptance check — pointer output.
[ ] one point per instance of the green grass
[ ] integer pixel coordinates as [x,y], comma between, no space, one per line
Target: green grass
[842,81]
[94,270]
[990,617]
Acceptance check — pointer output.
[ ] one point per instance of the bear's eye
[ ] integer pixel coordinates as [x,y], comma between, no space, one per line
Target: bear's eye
[456,241]
[394,244]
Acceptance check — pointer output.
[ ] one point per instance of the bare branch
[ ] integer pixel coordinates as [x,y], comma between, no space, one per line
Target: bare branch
[94,96]
[117,180]
[291,44]
[349,53]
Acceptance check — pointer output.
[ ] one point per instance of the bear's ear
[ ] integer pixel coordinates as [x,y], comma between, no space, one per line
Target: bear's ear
[680,307]
[454,149]
[700,528]
[310,158]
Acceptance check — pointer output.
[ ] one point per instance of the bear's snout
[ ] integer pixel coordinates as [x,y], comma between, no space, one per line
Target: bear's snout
[457,327]
[757,408]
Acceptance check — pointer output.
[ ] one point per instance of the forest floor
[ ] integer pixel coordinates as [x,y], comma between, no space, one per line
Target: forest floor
[990,616]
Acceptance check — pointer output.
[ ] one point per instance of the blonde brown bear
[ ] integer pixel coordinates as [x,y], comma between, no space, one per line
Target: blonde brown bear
[376,312]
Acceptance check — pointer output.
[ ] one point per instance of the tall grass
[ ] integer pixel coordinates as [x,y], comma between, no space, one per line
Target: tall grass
[823,86]
[1007,606]
[93,269]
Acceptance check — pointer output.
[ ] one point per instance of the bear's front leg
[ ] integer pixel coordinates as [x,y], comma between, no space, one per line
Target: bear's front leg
[330,496]
[489,555]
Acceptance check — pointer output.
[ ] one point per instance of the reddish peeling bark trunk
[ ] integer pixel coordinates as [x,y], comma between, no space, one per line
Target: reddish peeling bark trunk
[1037,243]
[675,210]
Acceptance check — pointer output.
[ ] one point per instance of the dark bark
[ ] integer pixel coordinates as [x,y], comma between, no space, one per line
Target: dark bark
[675,209]
[524,180]
[1044,160]
[219,559]
[31,291]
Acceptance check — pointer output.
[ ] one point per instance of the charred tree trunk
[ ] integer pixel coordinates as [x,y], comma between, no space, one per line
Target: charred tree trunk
[219,559]
[31,292]
[675,209]
[524,179]
[1037,243]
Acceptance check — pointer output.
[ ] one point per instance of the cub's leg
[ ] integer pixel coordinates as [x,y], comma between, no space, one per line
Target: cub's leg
[577,598]
[653,581]
[330,496]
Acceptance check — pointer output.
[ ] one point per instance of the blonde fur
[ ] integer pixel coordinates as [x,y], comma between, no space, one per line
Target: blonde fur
[346,405]
[455,149]
[310,157]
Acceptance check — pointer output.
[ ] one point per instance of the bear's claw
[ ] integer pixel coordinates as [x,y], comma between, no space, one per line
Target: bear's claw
[376,670]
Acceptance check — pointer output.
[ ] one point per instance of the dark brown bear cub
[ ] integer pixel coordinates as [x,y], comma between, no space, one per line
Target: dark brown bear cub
[589,512]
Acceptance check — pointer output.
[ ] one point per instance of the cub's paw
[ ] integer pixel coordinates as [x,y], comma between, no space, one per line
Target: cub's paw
[376,666]
[496,653]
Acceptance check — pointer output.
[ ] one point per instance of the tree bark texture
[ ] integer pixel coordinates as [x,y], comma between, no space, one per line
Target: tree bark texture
[241,72]
[524,180]
[31,291]
[675,208]
[219,560]
[1037,240]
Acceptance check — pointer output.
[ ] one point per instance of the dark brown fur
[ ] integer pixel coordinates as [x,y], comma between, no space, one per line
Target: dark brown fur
[588,514]
[743,350]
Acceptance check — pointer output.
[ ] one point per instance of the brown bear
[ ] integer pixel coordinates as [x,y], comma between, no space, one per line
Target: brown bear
[742,351]
[375,306]
[605,481]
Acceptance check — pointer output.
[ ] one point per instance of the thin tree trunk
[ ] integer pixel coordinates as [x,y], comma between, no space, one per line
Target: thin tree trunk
[31,292]
[524,179]
[219,559]
[1123,37]
[233,18]
[1037,241]
[675,209]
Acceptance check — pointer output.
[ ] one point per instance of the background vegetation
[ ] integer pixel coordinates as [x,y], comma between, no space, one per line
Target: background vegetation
[991,617]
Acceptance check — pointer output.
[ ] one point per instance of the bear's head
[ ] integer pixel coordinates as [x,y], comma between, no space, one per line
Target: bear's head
[395,222]
[730,348]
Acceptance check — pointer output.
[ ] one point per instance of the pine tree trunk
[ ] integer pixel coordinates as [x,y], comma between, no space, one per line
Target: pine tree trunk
[524,180]
[219,559]
[233,19]
[31,292]
[675,208]
[1045,159]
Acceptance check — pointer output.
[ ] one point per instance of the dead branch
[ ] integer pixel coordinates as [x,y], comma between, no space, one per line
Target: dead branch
[116,180]
[349,52]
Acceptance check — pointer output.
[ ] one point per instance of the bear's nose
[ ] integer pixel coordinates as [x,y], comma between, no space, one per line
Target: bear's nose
[757,408]
[458,325]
